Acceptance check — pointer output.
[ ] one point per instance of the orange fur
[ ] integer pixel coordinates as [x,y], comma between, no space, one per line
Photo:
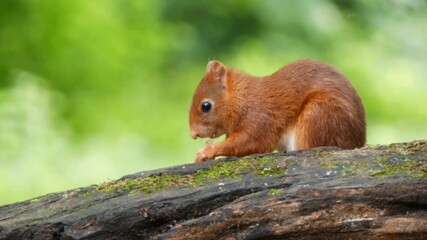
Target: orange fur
[306,99]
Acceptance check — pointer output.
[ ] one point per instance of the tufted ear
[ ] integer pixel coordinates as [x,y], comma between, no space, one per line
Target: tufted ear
[217,70]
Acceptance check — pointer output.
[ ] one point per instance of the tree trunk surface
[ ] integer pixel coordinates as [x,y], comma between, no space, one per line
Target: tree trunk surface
[376,192]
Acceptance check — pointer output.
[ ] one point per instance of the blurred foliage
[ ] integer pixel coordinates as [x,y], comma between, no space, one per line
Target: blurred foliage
[91,90]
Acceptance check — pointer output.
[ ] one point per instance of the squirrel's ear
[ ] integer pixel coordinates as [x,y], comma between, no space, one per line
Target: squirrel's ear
[216,69]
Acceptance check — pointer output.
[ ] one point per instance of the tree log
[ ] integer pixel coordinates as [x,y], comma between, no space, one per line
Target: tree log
[376,192]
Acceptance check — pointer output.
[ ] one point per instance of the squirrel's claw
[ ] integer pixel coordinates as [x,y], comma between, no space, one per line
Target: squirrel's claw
[205,154]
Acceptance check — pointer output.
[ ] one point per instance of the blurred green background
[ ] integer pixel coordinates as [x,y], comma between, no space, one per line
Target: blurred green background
[93,90]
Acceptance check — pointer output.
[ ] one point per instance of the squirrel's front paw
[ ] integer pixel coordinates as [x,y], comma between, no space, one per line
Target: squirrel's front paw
[204,154]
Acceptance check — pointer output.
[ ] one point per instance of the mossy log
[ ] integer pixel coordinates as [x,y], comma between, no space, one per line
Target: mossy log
[376,192]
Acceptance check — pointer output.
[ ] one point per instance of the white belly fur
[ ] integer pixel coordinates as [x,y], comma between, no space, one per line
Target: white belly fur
[288,141]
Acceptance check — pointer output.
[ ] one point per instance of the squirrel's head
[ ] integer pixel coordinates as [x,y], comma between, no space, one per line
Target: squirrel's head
[209,103]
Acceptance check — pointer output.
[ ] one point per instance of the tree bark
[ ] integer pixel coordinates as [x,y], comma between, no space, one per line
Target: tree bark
[376,192]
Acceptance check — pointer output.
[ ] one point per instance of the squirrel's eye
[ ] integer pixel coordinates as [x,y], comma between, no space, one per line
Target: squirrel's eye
[206,106]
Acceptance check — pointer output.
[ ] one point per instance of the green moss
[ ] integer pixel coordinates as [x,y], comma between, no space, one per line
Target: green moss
[409,148]
[220,171]
[384,165]
[41,198]
[35,200]
[377,172]
[86,194]
[380,166]
[270,171]
[146,185]
[346,167]
[351,170]
[274,192]
[331,164]
[416,168]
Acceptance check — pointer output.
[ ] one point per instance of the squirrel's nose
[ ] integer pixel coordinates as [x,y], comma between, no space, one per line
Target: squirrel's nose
[194,135]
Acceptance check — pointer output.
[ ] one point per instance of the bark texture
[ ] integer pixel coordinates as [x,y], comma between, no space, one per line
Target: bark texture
[376,192]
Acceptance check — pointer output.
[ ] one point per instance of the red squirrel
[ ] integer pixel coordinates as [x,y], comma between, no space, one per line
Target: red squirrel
[303,105]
